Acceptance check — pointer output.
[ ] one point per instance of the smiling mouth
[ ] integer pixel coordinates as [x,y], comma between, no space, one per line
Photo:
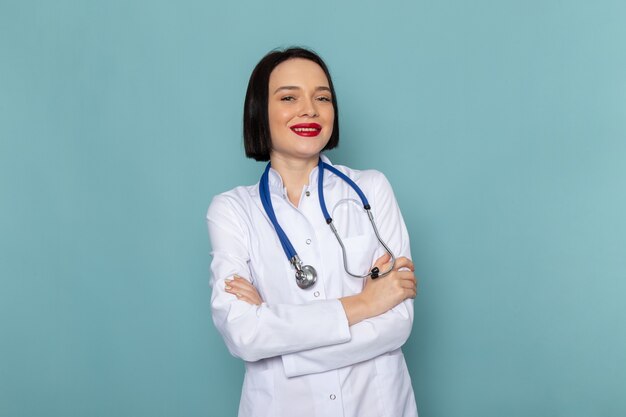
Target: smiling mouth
[306,129]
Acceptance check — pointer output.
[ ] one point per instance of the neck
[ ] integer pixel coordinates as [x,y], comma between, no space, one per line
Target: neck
[295,174]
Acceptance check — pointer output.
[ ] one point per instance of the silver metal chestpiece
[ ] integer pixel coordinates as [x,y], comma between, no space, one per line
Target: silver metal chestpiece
[306,276]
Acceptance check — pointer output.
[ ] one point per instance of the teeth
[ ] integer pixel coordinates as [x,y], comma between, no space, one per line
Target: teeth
[305,129]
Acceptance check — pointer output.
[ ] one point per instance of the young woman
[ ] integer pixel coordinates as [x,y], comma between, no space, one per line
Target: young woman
[289,253]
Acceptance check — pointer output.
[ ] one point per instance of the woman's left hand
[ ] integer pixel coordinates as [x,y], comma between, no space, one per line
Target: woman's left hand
[243,290]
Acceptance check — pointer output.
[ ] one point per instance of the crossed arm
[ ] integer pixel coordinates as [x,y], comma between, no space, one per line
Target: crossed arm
[377,297]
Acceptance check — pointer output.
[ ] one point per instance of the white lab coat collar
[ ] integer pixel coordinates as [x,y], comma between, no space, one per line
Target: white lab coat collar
[276,181]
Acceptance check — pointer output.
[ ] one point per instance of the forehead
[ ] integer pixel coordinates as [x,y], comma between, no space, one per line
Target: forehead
[298,72]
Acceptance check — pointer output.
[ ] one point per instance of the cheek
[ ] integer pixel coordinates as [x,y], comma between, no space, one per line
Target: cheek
[278,121]
[330,118]
[329,114]
[275,120]
[279,114]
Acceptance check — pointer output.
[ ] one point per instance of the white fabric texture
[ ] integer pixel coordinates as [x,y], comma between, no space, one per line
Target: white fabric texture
[302,359]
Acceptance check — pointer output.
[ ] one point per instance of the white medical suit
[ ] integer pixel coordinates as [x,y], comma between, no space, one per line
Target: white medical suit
[302,359]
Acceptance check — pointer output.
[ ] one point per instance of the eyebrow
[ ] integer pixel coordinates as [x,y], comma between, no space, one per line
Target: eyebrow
[293,87]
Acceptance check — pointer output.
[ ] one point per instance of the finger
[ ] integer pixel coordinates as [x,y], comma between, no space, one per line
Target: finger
[410,291]
[400,263]
[247,297]
[404,274]
[242,280]
[382,261]
[407,285]
[404,262]
[249,300]
[240,283]
[412,287]
[404,280]
[243,292]
[242,287]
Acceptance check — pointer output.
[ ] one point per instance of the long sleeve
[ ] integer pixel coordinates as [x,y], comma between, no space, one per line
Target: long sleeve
[255,332]
[377,335]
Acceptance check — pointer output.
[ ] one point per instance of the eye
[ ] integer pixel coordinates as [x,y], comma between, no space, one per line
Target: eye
[325,99]
[287,98]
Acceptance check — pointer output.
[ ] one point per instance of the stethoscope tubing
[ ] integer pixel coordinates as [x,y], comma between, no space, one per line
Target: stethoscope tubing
[306,274]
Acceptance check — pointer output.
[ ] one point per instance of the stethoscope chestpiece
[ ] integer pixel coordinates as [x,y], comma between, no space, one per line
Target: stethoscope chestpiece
[306,276]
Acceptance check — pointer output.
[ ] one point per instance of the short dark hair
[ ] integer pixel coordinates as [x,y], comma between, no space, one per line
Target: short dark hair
[256,129]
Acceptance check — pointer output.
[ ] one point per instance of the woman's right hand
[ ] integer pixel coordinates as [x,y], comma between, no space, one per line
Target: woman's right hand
[243,290]
[382,294]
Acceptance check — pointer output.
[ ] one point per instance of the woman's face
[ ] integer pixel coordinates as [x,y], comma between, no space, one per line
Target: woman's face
[300,109]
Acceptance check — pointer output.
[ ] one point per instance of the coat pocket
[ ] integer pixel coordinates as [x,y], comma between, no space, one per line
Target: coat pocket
[359,253]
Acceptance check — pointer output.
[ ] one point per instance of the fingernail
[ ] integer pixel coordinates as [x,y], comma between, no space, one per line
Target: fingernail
[238,295]
[228,287]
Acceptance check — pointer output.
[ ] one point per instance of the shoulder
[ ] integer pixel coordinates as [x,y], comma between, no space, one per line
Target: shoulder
[368,179]
[375,186]
[235,201]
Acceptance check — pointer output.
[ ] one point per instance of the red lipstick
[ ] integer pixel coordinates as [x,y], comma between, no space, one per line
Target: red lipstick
[306,129]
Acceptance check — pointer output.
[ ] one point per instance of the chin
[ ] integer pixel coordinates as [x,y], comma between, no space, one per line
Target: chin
[310,153]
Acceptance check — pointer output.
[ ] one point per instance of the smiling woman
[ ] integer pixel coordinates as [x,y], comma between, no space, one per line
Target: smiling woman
[327,343]
[300,102]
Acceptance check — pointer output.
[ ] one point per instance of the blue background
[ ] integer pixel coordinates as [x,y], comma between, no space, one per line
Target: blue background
[500,124]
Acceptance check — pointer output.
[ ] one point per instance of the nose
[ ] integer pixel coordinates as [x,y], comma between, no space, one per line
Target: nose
[309,108]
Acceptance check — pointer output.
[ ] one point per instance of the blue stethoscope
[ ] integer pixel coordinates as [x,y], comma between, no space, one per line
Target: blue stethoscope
[306,276]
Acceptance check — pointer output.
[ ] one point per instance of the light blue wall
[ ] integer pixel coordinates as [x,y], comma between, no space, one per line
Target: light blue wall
[501,125]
